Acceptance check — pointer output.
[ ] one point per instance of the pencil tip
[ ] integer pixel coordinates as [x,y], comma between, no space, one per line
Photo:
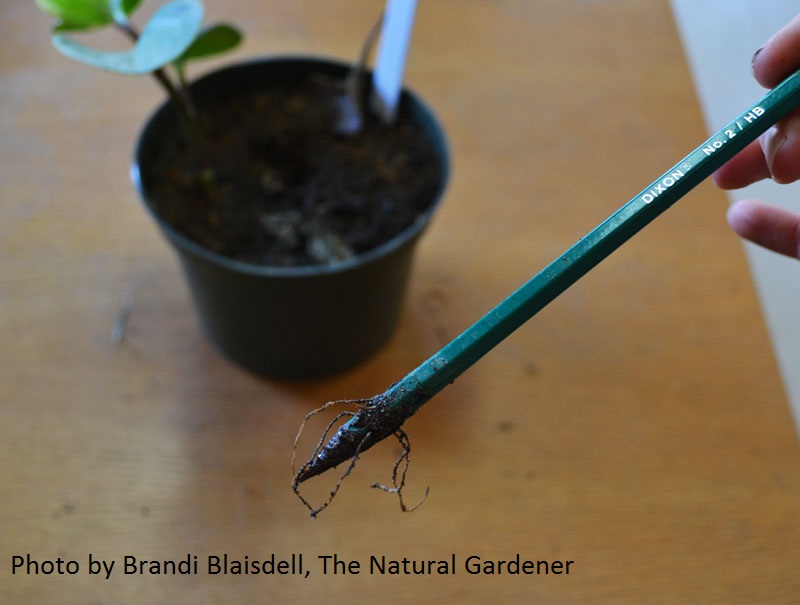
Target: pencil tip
[345,444]
[307,471]
[380,417]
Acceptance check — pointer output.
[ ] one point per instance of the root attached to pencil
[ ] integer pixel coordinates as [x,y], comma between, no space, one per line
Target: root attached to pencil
[307,469]
[403,460]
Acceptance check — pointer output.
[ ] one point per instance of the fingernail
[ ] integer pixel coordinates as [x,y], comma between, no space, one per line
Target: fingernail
[771,143]
[753,60]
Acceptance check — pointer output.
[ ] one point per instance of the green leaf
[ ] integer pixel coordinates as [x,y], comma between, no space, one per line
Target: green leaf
[78,14]
[170,31]
[211,41]
[130,5]
[83,14]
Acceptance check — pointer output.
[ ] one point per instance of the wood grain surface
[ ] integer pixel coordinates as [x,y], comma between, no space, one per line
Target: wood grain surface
[636,427]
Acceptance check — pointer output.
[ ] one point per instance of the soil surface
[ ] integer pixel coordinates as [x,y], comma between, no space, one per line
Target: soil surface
[267,180]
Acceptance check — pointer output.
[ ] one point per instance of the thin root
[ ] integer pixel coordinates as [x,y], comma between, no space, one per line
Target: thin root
[397,488]
[398,471]
[296,472]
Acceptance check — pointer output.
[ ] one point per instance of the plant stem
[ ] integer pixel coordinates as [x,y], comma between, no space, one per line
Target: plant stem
[178,94]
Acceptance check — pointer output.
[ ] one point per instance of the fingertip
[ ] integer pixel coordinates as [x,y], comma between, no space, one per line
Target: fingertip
[740,217]
[779,57]
[725,177]
[768,226]
[747,167]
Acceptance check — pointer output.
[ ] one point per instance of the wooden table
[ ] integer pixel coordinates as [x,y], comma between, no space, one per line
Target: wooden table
[636,427]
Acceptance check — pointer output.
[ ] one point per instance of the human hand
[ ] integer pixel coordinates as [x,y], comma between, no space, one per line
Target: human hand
[775,155]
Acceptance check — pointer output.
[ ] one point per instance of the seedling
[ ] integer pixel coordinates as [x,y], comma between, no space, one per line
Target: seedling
[171,38]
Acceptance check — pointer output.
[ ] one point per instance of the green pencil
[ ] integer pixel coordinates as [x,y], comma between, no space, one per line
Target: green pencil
[383,415]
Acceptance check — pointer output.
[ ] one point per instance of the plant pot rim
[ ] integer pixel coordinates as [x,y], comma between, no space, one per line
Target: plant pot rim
[379,251]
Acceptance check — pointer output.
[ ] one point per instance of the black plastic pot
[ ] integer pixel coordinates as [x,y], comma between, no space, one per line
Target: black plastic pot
[301,322]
